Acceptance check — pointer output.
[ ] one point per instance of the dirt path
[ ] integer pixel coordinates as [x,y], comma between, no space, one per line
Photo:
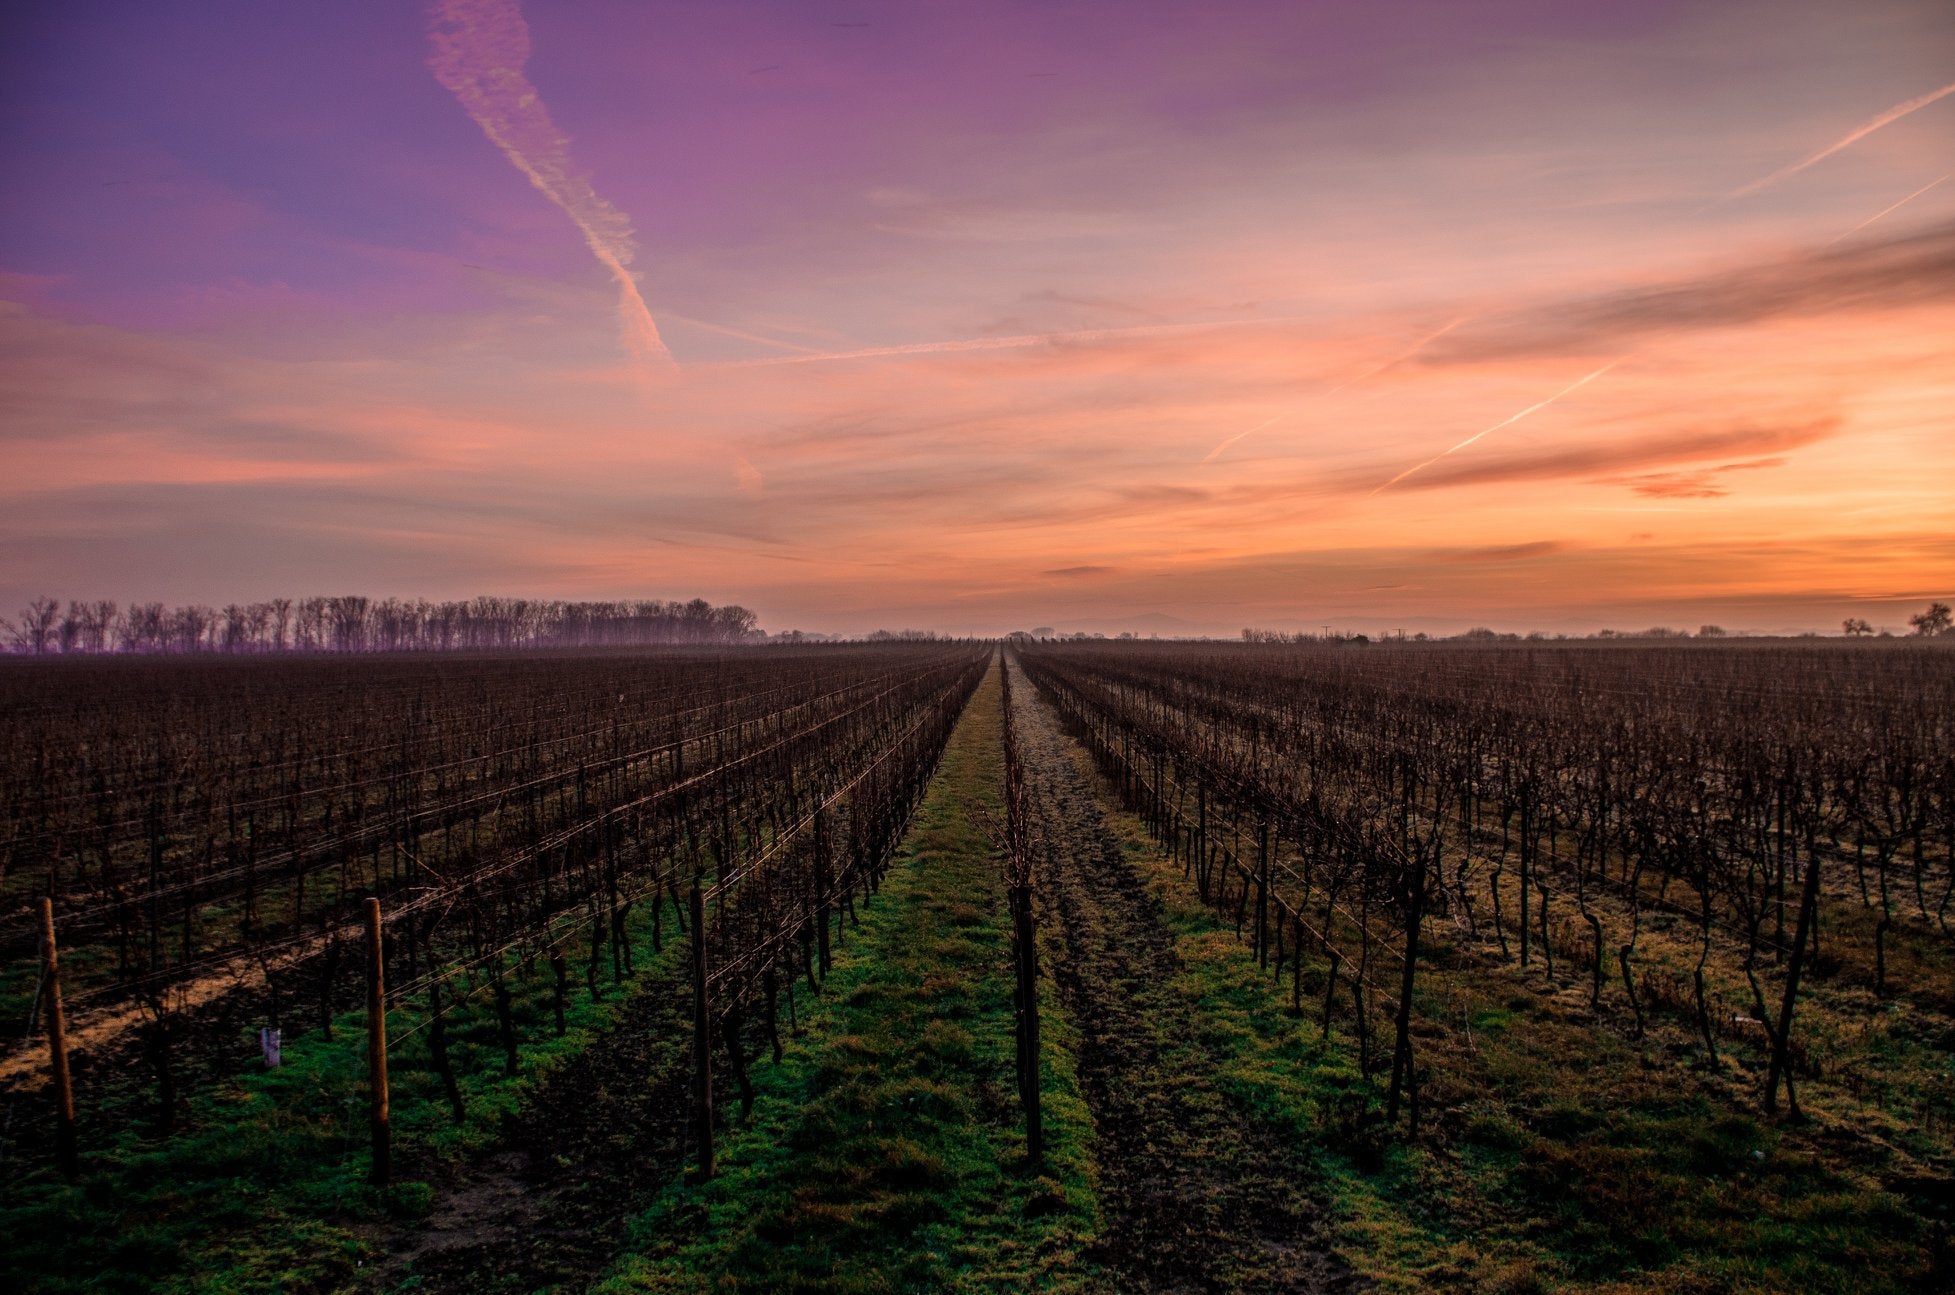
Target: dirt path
[1197,1197]
[547,1204]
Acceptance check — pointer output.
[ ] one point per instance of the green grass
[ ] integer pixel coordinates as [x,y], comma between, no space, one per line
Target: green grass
[886,1152]
[1569,1159]
[264,1186]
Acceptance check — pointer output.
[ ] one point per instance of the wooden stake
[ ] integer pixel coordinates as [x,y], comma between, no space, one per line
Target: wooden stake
[821,887]
[383,1165]
[64,1091]
[1262,893]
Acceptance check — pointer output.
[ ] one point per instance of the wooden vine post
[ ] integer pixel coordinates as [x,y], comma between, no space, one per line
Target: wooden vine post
[64,1091]
[377,1112]
[702,1040]
[821,887]
[1262,892]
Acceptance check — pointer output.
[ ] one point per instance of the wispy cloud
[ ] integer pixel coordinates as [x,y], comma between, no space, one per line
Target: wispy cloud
[725,331]
[1908,269]
[1364,375]
[1236,235]
[1702,483]
[479,49]
[1617,459]
[1505,552]
[1889,210]
[1508,421]
[1847,140]
[1013,343]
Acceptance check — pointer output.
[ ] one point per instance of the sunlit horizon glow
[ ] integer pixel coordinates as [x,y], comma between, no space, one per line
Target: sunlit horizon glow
[978,318]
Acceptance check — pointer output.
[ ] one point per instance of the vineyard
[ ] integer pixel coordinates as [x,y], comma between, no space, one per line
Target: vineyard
[212,837]
[1199,966]
[1537,803]
[1567,904]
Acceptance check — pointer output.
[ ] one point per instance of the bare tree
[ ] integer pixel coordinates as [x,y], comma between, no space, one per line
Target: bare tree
[143,627]
[1936,620]
[102,621]
[72,627]
[35,630]
[350,623]
[191,626]
[236,628]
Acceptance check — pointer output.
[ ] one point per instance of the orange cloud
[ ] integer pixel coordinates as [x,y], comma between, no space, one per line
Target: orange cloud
[1703,483]
[1905,270]
[1505,552]
[1648,451]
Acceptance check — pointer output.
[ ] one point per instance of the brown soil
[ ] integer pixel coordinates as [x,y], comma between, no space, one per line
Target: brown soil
[546,1206]
[1197,1196]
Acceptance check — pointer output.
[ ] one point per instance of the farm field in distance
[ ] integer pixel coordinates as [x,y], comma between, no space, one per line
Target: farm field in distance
[1095,966]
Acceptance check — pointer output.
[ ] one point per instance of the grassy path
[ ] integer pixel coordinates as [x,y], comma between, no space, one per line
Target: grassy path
[1199,1194]
[543,1205]
[886,1152]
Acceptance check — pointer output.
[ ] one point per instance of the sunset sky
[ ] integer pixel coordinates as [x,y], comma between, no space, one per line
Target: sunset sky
[1169,316]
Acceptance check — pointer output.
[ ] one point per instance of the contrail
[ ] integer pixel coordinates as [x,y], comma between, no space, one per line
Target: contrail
[1271,421]
[1886,210]
[1853,136]
[479,48]
[725,331]
[1402,356]
[1584,381]
[918,348]
[1508,421]
[1016,342]
[1365,376]
[1858,133]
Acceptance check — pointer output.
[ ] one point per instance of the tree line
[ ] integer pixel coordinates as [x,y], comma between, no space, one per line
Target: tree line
[352,623]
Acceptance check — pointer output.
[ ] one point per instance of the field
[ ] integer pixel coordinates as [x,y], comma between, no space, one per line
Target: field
[1077,966]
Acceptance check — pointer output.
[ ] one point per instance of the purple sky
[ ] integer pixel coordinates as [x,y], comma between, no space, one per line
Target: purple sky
[280,317]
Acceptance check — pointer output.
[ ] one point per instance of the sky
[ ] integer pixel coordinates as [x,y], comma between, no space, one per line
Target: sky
[1173,317]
